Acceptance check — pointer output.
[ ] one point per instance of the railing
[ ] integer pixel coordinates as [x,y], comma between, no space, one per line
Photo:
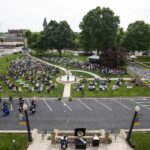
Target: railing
[138,78]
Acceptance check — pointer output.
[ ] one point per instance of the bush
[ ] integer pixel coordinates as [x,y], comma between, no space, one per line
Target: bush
[109,140]
[59,98]
[51,137]
[70,98]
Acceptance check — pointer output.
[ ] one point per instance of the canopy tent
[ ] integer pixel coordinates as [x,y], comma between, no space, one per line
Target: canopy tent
[94,59]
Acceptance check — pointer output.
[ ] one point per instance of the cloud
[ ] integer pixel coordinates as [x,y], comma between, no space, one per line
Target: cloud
[30,13]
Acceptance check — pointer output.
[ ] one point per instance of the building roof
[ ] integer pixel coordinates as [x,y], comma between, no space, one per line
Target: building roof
[45,22]
[10,37]
[94,57]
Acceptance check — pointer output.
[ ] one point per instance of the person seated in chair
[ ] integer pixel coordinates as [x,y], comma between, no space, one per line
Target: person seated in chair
[115,87]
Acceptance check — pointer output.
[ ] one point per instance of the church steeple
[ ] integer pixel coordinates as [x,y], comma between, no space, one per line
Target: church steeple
[44,23]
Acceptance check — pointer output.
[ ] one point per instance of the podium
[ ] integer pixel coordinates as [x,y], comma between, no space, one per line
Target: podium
[95,141]
[80,144]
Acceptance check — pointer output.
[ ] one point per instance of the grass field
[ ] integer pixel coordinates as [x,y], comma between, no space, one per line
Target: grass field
[143,59]
[4,64]
[122,91]
[66,54]
[141,140]
[82,74]
[7,144]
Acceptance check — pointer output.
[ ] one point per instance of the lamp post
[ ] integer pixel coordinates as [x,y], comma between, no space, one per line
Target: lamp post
[25,107]
[14,143]
[137,109]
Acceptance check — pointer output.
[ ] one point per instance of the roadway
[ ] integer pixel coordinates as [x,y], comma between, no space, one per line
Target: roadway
[91,113]
[4,52]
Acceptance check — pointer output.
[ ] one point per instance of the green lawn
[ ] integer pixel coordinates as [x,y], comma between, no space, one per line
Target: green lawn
[82,74]
[143,59]
[141,140]
[7,144]
[66,54]
[122,91]
[4,64]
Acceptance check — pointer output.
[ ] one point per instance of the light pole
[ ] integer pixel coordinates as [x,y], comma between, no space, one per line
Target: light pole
[25,107]
[137,109]
[14,143]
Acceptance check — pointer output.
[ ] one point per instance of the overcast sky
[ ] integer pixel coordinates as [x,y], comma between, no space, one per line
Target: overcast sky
[29,14]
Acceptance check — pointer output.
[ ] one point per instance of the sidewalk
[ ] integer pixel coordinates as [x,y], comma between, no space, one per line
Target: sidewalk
[67,90]
[39,142]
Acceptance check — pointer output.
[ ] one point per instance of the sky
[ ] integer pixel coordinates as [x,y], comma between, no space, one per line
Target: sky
[29,14]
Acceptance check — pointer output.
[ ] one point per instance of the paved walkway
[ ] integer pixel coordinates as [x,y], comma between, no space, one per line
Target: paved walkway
[67,90]
[39,142]
[113,79]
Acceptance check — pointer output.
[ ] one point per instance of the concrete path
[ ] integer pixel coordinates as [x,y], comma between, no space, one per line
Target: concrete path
[67,90]
[39,142]
[113,79]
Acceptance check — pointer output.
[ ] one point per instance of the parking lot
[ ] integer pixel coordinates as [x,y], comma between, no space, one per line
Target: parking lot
[92,113]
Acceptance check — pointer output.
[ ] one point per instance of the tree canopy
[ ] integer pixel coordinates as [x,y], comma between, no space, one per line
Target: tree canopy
[57,36]
[32,38]
[99,29]
[114,57]
[137,36]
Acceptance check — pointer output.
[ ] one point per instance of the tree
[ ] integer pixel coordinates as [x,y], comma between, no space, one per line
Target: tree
[76,44]
[137,36]
[99,29]
[114,57]
[32,38]
[120,37]
[28,33]
[57,36]
[1,40]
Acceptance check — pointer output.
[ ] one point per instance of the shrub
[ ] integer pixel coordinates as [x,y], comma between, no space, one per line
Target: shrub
[109,140]
[70,98]
[59,98]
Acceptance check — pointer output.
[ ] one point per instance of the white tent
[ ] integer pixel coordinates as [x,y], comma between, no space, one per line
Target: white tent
[133,56]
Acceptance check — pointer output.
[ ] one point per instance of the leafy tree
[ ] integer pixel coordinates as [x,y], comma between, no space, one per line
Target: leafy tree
[1,40]
[114,57]
[120,37]
[28,33]
[57,36]
[99,29]
[76,44]
[137,36]
[32,38]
